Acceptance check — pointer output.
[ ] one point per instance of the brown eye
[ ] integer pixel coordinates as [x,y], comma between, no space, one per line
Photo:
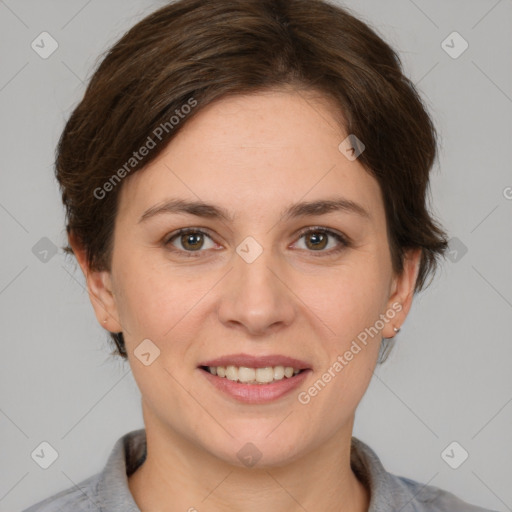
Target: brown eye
[191,240]
[317,239]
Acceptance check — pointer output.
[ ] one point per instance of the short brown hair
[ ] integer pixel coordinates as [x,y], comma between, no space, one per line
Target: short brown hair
[208,50]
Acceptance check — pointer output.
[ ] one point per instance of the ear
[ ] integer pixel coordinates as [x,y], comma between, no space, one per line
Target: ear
[402,292]
[99,287]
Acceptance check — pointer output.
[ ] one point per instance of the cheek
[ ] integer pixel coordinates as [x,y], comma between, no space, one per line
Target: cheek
[351,298]
[351,309]
[351,353]
[157,302]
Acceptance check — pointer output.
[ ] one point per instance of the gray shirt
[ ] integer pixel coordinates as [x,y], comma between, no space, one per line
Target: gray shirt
[108,490]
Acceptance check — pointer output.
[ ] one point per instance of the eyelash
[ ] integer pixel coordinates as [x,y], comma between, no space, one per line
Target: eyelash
[343,241]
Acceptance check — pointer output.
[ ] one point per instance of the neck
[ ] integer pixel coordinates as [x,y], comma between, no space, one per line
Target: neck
[186,477]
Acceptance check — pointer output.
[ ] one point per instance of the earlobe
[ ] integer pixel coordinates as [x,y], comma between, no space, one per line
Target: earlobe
[403,294]
[99,288]
[103,301]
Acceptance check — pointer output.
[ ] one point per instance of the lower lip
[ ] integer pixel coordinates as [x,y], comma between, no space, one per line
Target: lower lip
[256,393]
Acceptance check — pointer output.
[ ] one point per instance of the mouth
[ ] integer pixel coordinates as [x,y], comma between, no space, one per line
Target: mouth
[250,369]
[248,375]
[255,379]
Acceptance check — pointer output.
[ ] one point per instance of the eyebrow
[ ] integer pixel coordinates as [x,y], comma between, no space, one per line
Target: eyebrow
[211,211]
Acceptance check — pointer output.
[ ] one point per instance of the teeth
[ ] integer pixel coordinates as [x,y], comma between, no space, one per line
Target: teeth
[253,375]
[231,373]
[246,374]
[265,375]
[279,372]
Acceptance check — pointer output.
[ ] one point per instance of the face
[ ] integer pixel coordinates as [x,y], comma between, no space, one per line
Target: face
[269,278]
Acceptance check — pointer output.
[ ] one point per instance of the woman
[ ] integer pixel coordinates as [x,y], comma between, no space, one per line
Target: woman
[246,193]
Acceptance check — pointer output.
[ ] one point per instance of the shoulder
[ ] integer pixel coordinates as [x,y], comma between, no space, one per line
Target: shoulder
[390,492]
[429,498]
[80,498]
[106,490]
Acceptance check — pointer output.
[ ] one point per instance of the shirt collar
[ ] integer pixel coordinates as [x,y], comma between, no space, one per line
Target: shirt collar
[128,453]
[387,492]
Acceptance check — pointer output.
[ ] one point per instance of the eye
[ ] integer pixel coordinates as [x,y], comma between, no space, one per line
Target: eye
[317,239]
[190,239]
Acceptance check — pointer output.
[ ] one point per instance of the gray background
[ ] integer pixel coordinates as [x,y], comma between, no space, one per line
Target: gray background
[447,379]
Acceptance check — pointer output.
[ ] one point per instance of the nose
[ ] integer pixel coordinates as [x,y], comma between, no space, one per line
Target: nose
[257,298]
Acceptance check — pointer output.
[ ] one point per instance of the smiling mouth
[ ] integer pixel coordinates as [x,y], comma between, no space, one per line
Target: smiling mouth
[246,375]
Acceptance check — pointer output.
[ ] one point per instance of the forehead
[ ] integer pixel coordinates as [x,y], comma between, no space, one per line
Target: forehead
[254,154]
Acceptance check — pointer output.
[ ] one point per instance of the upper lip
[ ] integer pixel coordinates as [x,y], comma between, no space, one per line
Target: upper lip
[256,361]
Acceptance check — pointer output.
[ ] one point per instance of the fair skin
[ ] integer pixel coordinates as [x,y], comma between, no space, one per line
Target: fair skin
[253,155]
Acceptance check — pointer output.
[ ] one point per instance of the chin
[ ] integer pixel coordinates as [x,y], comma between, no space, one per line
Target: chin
[259,451]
